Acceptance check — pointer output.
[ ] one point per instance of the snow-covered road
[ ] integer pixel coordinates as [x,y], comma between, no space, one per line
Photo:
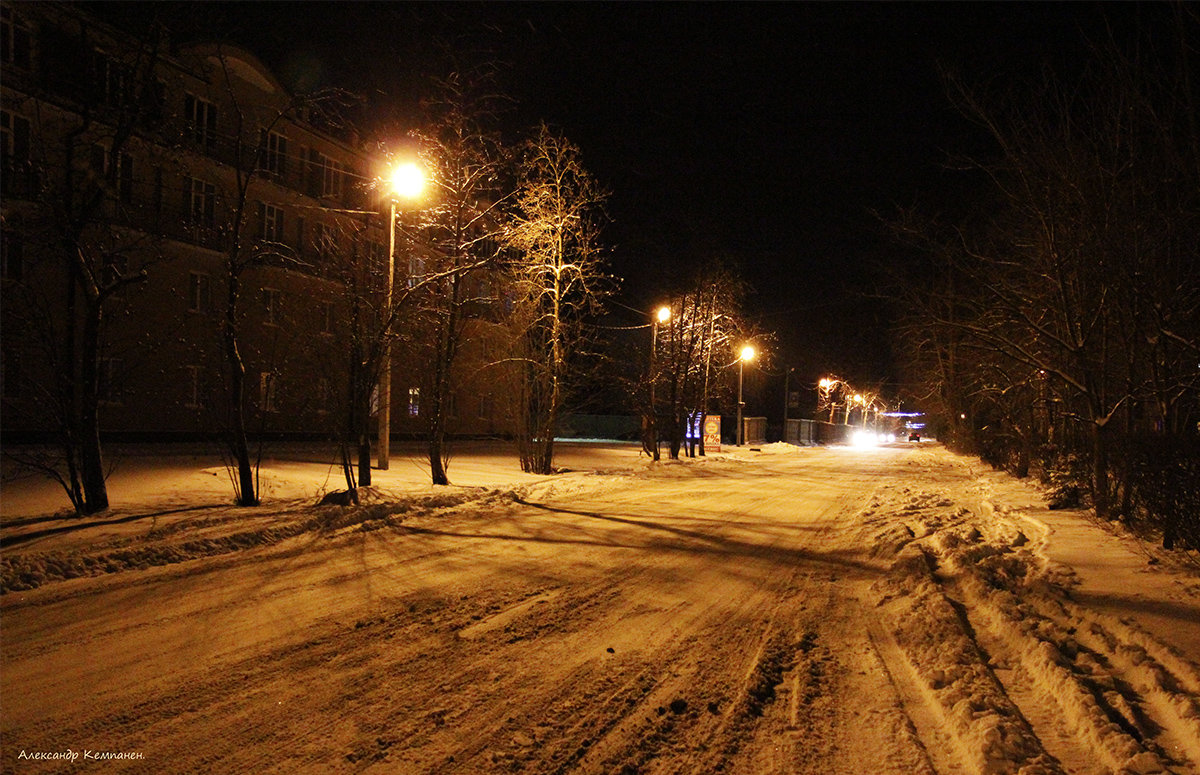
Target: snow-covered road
[892,610]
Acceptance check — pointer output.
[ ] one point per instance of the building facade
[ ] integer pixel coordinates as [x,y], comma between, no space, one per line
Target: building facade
[175,175]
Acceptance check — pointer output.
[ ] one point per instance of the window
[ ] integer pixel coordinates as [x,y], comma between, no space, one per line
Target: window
[194,387]
[328,315]
[15,131]
[485,287]
[272,306]
[416,271]
[376,252]
[274,152]
[201,118]
[158,193]
[17,176]
[122,180]
[326,175]
[12,255]
[15,40]
[110,80]
[152,104]
[199,202]
[110,390]
[266,391]
[414,402]
[199,296]
[326,241]
[271,222]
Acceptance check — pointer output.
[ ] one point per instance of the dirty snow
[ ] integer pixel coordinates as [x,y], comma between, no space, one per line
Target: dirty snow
[897,609]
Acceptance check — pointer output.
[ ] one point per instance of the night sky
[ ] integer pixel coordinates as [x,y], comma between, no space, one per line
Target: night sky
[764,132]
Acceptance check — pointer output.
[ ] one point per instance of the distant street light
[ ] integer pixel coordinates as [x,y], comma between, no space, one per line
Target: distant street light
[787,398]
[662,316]
[747,355]
[406,181]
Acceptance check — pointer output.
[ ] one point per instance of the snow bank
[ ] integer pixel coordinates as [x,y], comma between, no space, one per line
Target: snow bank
[972,596]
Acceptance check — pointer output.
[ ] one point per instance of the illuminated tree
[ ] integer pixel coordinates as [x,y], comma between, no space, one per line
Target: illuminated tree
[559,279]
[706,320]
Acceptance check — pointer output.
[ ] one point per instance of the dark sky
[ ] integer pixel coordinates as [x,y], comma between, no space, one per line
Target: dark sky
[768,132]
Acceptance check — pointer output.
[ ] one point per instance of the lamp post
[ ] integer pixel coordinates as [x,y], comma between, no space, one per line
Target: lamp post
[406,180]
[662,316]
[747,355]
[787,376]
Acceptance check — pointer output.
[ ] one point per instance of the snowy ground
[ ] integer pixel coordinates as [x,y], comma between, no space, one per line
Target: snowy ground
[829,610]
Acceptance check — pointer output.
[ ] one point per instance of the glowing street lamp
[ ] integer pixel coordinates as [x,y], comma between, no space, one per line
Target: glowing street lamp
[747,355]
[405,181]
[662,316]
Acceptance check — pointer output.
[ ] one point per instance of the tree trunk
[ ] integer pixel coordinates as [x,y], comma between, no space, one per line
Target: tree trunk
[247,494]
[364,459]
[547,461]
[1025,449]
[95,491]
[1100,489]
[437,463]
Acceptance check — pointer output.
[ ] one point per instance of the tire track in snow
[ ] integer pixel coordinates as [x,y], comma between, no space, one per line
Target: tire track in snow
[1156,686]
[1066,674]
[926,717]
[1130,699]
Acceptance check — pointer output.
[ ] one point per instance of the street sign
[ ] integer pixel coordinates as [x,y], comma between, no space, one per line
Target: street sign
[712,433]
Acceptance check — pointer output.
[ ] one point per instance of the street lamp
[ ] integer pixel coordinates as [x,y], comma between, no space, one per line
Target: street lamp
[787,377]
[747,355]
[662,316]
[405,181]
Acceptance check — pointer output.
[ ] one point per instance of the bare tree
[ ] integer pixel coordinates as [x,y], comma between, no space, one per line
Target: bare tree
[559,275]
[464,158]
[1064,319]
[373,327]
[706,319]
[78,169]
[231,216]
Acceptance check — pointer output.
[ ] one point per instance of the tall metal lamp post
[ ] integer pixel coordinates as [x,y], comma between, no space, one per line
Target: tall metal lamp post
[747,355]
[787,399]
[406,181]
[662,316]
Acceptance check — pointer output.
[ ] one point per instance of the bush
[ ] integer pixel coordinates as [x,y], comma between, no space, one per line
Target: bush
[1067,477]
[1162,477]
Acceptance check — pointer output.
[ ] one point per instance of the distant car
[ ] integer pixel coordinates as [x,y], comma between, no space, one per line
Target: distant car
[914,437]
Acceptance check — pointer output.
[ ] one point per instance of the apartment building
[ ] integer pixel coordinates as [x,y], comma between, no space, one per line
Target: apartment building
[179,167]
